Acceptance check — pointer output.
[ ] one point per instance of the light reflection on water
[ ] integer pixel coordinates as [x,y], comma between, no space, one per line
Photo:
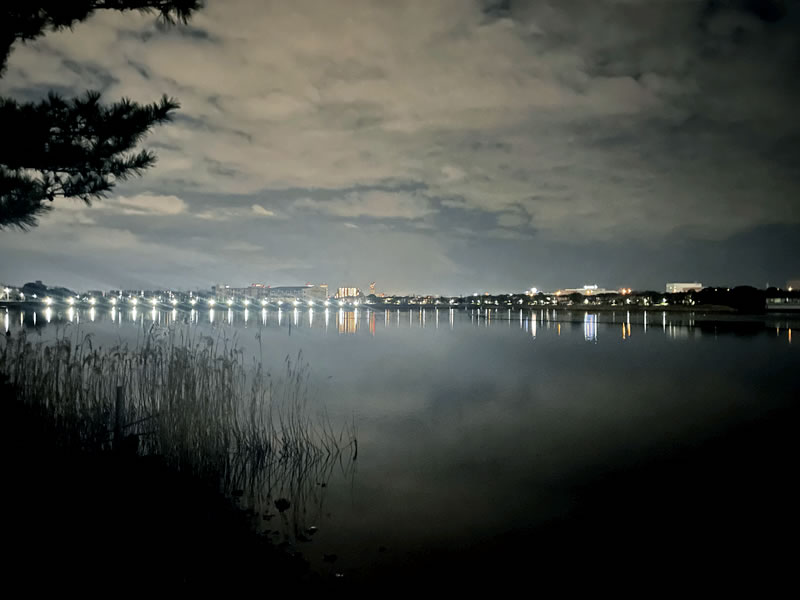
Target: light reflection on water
[358,321]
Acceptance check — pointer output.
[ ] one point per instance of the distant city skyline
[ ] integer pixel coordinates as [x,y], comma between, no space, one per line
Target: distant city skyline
[258,290]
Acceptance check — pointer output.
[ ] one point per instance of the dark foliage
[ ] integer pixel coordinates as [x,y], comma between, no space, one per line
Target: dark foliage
[23,20]
[72,148]
[76,148]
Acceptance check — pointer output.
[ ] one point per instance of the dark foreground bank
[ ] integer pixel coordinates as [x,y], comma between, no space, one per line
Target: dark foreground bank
[112,522]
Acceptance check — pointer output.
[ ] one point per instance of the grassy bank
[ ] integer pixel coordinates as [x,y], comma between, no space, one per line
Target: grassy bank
[173,462]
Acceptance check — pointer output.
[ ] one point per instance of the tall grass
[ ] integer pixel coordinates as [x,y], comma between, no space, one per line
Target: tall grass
[194,401]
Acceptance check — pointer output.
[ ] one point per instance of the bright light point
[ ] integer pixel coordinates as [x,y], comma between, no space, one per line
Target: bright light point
[92,301]
[212,302]
[311,303]
[263,303]
[113,302]
[48,301]
[280,302]
[174,301]
[230,302]
[153,301]
[194,301]
[247,302]
[71,301]
[328,303]
[341,302]
[134,301]
[295,303]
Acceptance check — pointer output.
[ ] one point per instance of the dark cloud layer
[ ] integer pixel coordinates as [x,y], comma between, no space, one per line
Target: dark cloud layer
[450,146]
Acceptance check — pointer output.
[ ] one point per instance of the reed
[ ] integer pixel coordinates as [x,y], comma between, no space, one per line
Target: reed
[192,400]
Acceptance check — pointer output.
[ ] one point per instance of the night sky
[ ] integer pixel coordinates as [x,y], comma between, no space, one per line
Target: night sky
[445,146]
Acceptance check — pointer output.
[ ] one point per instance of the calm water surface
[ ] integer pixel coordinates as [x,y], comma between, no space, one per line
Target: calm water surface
[475,426]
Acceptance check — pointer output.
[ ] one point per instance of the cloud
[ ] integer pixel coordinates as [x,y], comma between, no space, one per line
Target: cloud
[375,204]
[261,211]
[242,247]
[605,122]
[147,204]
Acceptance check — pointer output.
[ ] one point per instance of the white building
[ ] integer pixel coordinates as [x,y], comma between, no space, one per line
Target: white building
[586,290]
[678,288]
[301,293]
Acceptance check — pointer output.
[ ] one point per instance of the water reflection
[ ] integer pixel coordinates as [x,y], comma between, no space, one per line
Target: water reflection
[536,322]
[348,322]
[589,327]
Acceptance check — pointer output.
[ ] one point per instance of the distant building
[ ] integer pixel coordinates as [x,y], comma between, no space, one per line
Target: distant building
[679,288]
[586,290]
[301,293]
[260,291]
[348,292]
[255,291]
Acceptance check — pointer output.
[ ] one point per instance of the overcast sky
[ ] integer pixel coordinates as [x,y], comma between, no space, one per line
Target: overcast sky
[436,146]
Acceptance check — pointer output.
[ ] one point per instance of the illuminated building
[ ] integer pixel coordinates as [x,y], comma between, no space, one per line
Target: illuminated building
[348,292]
[586,290]
[678,288]
[303,293]
[260,291]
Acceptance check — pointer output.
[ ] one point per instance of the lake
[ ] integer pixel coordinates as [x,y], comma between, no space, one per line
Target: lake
[528,441]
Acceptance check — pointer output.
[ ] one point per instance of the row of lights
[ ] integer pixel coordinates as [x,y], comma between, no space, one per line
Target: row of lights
[193,301]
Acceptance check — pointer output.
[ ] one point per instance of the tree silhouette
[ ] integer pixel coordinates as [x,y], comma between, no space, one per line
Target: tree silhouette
[73,148]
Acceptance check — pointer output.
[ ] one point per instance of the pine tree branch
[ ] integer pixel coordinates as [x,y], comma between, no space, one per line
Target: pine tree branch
[76,148]
[25,20]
